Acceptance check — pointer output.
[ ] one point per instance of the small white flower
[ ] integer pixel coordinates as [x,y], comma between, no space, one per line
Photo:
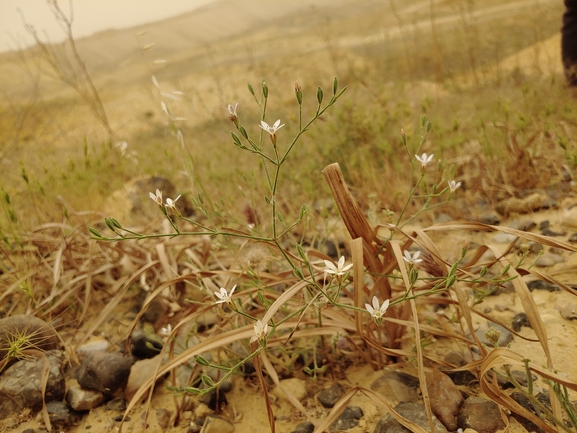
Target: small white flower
[338,270]
[377,313]
[454,186]
[424,159]
[165,332]
[156,197]
[231,109]
[260,332]
[271,129]
[412,259]
[224,296]
[170,203]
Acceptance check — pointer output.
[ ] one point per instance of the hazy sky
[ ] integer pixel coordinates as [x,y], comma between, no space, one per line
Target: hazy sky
[90,16]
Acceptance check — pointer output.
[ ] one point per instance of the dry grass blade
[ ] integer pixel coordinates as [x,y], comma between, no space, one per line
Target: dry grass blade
[358,280]
[274,376]
[257,366]
[421,369]
[500,357]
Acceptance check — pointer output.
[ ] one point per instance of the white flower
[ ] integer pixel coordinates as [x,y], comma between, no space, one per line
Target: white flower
[165,332]
[338,270]
[231,109]
[412,259]
[157,198]
[170,203]
[271,129]
[260,332]
[377,312]
[454,186]
[224,296]
[424,159]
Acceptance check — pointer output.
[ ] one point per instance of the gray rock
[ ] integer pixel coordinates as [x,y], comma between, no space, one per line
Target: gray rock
[414,412]
[20,384]
[397,386]
[573,238]
[61,415]
[480,415]
[569,312]
[329,396]
[542,285]
[104,372]
[214,424]
[445,398]
[505,335]
[117,403]
[304,427]
[348,419]
[83,399]
[549,259]
[519,321]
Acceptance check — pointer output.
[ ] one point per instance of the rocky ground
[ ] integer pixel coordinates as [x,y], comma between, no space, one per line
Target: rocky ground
[88,389]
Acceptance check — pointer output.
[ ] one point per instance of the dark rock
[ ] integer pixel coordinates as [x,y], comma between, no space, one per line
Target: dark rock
[397,386]
[542,285]
[163,417]
[490,219]
[83,399]
[304,427]
[573,237]
[20,384]
[61,415]
[145,345]
[527,225]
[481,415]
[329,396]
[569,312]
[464,378]
[104,372]
[348,419]
[34,332]
[215,399]
[445,398]
[526,403]
[414,412]
[519,321]
[117,403]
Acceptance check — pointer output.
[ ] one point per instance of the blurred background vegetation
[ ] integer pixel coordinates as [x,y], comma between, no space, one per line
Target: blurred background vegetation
[484,73]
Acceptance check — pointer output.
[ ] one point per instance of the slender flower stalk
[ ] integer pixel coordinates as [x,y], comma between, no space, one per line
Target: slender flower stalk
[377,312]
